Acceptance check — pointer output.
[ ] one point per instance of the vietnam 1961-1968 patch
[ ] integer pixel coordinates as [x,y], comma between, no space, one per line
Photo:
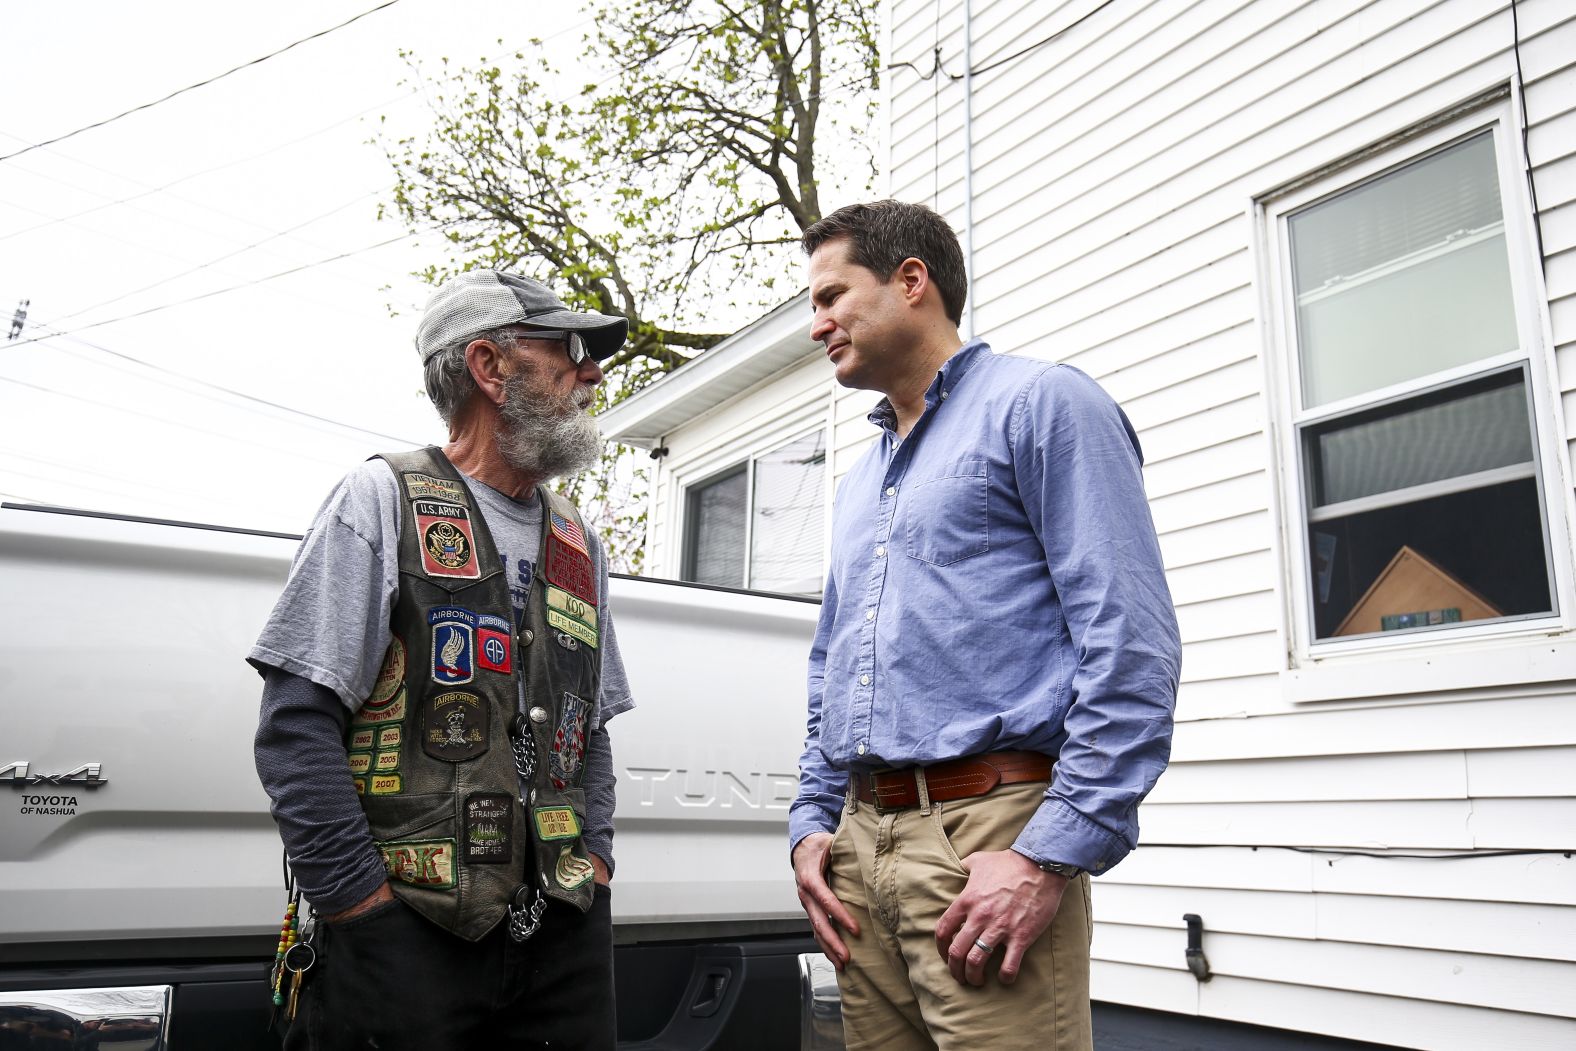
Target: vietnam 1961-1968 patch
[424,486]
[453,645]
[571,871]
[454,726]
[556,822]
[488,825]
[420,862]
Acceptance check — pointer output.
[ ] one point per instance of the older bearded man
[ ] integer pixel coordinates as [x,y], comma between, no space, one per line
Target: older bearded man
[438,678]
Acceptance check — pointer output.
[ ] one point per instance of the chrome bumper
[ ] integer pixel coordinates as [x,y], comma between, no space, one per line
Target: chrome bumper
[132,1018]
[820,1006]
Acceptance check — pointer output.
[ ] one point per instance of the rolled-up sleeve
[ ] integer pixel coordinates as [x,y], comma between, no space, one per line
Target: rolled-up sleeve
[821,788]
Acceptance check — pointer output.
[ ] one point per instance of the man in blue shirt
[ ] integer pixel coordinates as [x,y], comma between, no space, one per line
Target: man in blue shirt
[994,672]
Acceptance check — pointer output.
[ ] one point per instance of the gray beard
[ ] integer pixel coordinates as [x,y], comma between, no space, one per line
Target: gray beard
[543,434]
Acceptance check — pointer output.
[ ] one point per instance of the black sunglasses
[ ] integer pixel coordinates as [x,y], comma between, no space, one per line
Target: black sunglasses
[574,344]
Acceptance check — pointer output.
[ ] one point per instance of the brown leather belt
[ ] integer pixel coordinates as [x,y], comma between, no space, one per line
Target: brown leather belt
[954,779]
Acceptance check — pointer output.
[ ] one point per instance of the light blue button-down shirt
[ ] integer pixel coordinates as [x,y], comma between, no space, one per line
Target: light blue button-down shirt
[996,584]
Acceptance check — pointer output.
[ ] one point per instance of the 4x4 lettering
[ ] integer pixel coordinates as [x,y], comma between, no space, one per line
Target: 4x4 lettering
[18,776]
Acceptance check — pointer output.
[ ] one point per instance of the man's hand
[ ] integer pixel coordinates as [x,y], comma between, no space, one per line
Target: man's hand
[600,868]
[367,904]
[1007,904]
[811,858]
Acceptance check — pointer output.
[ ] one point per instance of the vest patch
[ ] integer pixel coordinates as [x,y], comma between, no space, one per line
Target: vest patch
[424,485]
[391,676]
[488,820]
[493,644]
[386,762]
[362,739]
[567,531]
[556,822]
[455,725]
[388,712]
[385,785]
[585,612]
[571,871]
[360,763]
[569,569]
[448,548]
[420,862]
[584,632]
[569,743]
[453,645]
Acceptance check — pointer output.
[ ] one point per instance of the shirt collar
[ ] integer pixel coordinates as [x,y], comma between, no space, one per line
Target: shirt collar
[948,376]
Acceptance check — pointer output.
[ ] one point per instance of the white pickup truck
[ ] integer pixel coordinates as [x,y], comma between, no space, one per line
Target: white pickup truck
[140,872]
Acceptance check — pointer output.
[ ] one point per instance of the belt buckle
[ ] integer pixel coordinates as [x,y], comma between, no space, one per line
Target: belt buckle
[875,792]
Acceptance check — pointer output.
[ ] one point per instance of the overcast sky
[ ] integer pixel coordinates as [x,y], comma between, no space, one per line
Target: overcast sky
[275,156]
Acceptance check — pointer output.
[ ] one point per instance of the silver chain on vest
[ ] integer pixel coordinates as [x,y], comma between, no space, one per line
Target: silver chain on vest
[524,920]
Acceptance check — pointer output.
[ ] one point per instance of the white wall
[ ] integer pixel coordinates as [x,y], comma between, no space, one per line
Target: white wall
[1116,171]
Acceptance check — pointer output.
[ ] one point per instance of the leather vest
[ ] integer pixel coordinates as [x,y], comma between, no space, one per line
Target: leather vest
[431,749]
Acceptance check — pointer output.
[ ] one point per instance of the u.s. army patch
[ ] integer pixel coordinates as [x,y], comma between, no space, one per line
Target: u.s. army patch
[424,486]
[448,547]
[556,822]
[571,871]
[420,862]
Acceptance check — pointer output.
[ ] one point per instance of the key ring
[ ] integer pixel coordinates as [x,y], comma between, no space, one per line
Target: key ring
[301,968]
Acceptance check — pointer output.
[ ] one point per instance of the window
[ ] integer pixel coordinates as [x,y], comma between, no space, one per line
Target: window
[1420,501]
[770,508]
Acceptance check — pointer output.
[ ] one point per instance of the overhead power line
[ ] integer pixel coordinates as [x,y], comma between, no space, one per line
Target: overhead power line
[228,391]
[218,291]
[199,84]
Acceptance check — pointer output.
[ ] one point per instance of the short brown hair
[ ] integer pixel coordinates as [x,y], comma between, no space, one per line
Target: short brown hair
[881,234]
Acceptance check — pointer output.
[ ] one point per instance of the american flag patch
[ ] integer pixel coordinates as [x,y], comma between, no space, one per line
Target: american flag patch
[568,532]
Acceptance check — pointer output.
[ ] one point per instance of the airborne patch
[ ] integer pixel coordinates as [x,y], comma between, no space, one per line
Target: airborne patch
[493,644]
[569,742]
[454,726]
[488,823]
[424,485]
[453,645]
[571,871]
[420,862]
[556,822]
[569,569]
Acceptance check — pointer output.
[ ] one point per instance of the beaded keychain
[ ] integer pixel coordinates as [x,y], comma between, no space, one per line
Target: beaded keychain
[289,934]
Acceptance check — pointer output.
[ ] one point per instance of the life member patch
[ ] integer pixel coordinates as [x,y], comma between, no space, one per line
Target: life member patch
[488,822]
[420,862]
[556,822]
[569,742]
[494,644]
[424,486]
[453,645]
[571,871]
[571,615]
[448,548]
[454,726]
[567,531]
[570,569]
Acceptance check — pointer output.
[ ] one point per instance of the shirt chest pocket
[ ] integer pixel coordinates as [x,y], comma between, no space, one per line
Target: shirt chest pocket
[947,516]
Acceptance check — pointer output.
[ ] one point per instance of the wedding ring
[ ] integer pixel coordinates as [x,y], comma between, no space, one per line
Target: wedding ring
[979,943]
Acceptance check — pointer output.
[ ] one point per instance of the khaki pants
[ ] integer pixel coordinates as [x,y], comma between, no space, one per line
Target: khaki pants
[897,873]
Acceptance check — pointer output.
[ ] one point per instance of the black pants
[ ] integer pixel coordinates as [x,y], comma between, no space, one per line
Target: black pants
[392,980]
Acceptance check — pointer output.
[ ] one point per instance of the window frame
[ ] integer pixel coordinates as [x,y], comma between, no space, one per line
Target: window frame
[688,486]
[1288,420]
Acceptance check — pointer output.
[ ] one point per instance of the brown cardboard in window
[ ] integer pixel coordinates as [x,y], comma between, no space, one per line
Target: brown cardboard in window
[1411,582]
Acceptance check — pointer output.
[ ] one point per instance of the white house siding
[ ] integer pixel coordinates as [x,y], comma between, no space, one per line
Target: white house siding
[1115,174]
[793,402]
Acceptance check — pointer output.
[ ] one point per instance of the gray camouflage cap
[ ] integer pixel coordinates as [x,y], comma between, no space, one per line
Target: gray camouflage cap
[478,300]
